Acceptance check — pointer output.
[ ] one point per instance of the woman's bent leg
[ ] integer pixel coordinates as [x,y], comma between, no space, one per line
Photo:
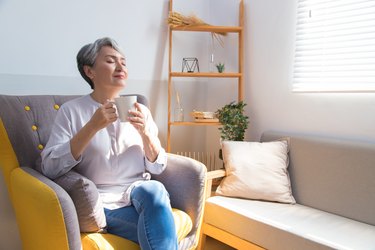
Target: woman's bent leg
[123,222]
[156,227]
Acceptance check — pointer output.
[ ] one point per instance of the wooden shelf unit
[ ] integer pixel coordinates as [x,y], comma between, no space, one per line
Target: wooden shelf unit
[236,75]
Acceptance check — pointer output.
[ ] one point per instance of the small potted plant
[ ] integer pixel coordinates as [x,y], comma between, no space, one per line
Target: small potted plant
[234,122]
[220,67]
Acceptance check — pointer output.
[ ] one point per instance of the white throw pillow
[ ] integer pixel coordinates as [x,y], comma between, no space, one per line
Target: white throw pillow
[256,170]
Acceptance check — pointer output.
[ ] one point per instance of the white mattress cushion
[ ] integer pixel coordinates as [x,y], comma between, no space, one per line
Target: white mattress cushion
[286,226]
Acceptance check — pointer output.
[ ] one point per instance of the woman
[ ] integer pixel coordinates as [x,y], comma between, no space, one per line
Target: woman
[116,156]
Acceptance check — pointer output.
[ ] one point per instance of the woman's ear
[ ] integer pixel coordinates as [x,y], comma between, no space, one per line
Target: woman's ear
[88,71]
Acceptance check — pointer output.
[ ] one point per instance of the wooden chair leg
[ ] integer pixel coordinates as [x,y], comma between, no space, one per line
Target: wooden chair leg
[202,241]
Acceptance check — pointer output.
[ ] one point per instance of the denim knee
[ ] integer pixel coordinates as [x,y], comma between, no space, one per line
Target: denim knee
[152,193]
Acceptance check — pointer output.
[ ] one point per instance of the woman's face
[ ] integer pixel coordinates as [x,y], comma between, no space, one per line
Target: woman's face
[109,69]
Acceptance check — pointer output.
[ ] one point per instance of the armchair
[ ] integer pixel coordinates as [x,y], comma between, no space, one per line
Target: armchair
[46,214]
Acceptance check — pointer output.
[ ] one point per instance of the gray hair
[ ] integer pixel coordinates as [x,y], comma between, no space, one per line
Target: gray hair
[88,54]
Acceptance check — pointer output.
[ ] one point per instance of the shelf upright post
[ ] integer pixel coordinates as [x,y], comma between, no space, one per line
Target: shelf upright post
[240,51]
[169,83]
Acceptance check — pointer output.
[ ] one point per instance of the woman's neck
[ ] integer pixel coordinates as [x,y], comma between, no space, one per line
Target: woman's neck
[102,97]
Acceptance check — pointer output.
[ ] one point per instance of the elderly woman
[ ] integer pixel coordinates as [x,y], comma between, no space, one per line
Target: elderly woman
[116,156]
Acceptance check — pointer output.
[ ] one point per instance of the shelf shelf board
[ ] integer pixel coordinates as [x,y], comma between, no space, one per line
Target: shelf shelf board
[209,28]
[206,74]
[194,123]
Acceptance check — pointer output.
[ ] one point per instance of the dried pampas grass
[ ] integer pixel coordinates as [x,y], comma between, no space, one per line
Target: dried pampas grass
[176,19]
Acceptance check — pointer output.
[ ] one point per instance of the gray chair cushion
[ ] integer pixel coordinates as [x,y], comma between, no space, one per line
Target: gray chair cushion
[85,197]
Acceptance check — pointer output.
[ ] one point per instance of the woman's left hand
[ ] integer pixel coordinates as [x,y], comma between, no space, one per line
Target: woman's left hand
[138,119]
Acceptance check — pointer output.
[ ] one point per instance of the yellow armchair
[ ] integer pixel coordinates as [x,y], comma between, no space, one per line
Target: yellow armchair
[45,213]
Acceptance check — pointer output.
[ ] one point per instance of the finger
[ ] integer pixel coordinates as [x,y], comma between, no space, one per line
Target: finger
[107,102]
[137,106]
[135,119]
[139,126]
[135,113]
[108,105]
[138,110]
[113,116]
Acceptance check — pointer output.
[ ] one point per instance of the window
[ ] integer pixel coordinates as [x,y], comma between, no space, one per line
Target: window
[335,46]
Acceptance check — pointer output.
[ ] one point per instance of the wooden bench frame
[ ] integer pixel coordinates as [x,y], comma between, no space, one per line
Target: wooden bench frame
[217,233]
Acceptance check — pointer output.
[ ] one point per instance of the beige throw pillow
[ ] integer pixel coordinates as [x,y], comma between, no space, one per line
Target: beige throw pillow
[256,170]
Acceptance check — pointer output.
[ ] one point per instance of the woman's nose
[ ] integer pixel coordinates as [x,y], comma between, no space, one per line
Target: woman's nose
[120,66]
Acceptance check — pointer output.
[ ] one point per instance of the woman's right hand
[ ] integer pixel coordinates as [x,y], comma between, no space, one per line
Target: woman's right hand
[104,115]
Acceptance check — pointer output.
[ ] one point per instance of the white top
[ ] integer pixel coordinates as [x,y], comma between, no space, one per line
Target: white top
[114,159]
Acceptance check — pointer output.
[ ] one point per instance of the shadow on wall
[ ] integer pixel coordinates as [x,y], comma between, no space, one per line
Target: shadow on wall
[158,91]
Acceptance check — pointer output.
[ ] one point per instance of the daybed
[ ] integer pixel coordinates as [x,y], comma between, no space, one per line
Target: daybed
[333,183]
[47,217]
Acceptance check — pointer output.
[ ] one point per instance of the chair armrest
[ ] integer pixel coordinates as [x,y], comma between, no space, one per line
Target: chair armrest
[216,174]
[211,175]
[185,180]
[45,213]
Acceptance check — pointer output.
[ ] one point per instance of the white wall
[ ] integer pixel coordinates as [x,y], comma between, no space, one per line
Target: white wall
[271,104]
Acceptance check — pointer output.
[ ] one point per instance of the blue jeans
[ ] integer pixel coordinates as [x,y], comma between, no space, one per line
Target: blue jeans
[148,221]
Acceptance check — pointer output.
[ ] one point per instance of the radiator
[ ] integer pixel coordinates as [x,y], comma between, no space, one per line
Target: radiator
[210,159]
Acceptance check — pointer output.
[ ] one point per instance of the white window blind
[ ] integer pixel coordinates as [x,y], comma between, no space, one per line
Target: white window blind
[335,46]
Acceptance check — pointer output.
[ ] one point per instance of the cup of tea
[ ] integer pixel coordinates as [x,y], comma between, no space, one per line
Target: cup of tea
[124,104]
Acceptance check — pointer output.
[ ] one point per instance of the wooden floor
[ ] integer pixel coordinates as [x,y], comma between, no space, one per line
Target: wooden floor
[212,244]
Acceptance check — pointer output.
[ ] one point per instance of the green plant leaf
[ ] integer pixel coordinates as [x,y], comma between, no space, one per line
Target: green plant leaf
[234,121]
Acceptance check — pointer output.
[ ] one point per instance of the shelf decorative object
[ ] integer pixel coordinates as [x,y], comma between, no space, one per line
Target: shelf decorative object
[211,63]
[220,67]
[190,64]
[204,116]
[176,19]
[179,111]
